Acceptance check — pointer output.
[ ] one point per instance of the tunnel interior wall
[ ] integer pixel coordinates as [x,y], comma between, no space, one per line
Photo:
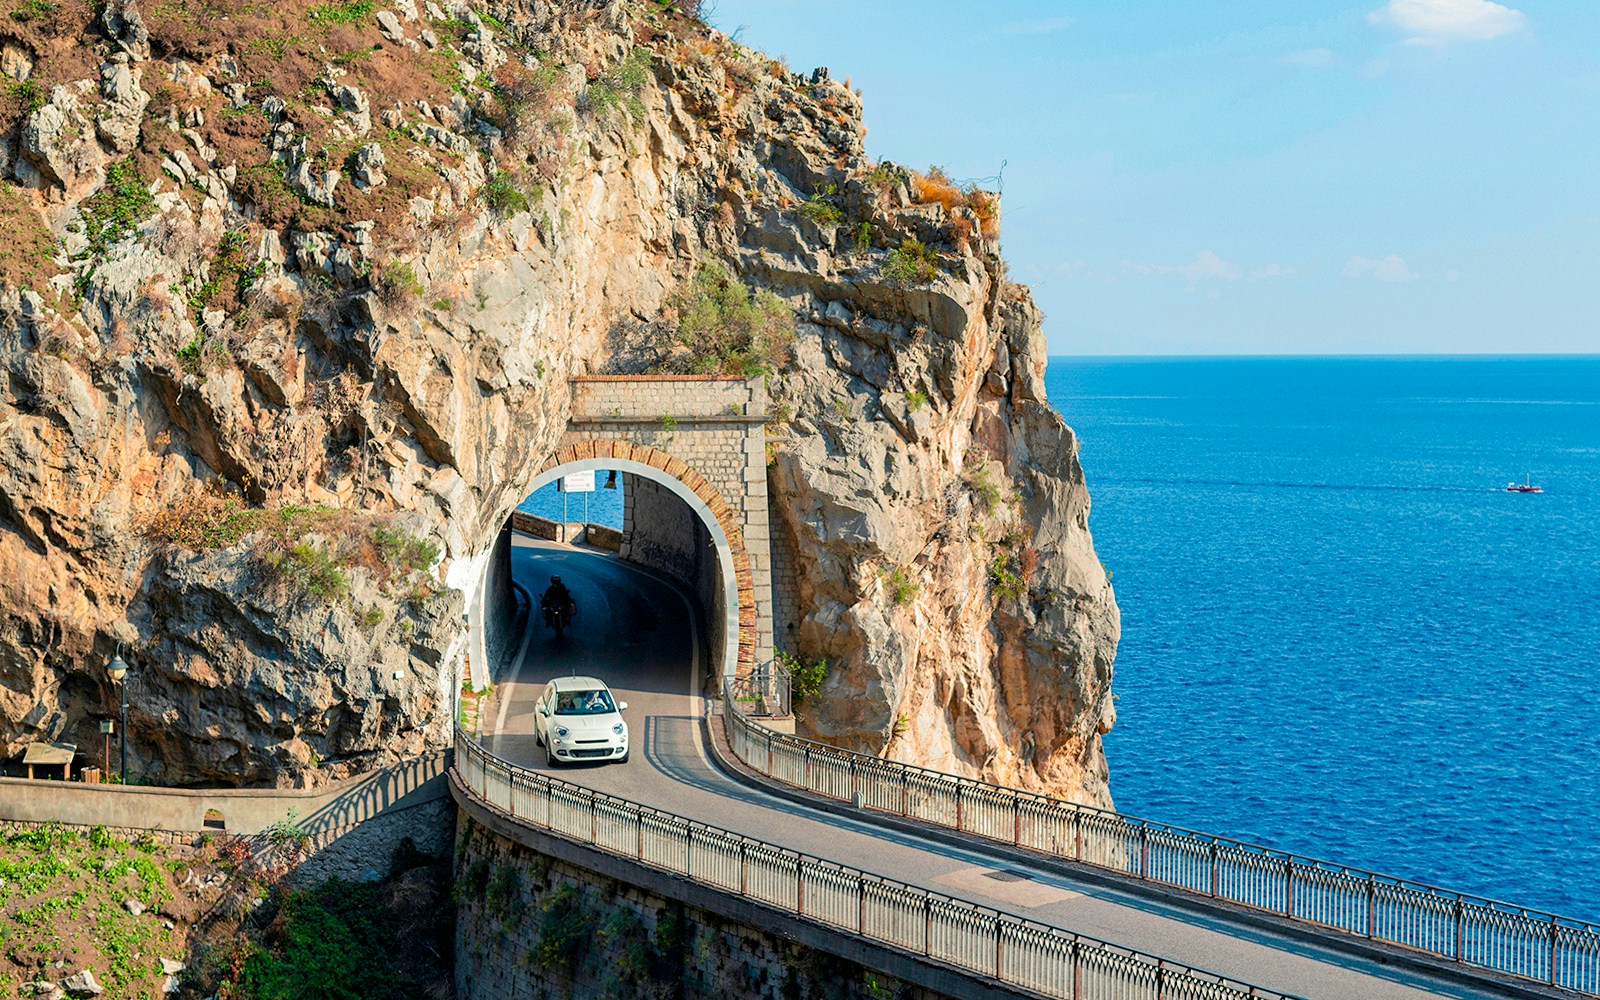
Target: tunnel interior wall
[661,532]
[500,621]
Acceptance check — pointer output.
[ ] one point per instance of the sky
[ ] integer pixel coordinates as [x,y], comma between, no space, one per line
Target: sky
[1250,176]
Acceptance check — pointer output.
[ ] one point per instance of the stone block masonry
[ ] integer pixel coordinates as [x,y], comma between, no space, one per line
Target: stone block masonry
[712,432]
[532,926]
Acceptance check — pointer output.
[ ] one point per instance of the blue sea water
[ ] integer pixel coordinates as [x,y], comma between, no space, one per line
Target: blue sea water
[604,506]
[1340,635]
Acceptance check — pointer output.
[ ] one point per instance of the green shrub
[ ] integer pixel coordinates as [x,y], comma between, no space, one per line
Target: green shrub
[916,399]
[863,237]
[334,942]
[115,209]
[204,354]
[805,679]
[504,891]
[728,329]
[503,196]
[402,552]
[981,481]
[902,589]
[820,210]
[311,568]
[565,929]
[1006,581]
[397,282]
[912,261]
[344,13]
[31,10]
[620,89]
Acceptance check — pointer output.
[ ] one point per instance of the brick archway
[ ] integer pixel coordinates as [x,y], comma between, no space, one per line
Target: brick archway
[728,522]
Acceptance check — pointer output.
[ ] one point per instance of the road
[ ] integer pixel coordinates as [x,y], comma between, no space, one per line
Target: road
[634,632]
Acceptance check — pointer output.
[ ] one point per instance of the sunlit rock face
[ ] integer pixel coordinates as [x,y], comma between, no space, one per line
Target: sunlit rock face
[287,318]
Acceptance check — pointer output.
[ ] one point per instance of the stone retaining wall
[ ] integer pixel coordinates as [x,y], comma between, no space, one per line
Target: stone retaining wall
[532,925]
[351,829]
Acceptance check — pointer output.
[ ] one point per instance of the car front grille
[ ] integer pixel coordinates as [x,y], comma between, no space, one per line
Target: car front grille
[605,752]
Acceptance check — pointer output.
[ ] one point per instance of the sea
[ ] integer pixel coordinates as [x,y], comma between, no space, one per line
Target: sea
[1341,635]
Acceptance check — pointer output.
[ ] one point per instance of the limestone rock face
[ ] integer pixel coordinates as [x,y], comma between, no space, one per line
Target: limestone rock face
[266,376]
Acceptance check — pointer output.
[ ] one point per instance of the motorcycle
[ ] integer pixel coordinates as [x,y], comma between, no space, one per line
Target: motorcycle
[558,614]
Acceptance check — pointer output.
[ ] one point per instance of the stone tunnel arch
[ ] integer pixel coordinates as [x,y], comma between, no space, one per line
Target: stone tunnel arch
[723,523]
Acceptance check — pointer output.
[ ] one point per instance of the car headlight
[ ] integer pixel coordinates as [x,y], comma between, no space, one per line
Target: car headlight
[618,728]
[562,732]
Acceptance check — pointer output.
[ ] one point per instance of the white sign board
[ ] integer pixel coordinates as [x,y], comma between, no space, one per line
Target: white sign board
[577,482]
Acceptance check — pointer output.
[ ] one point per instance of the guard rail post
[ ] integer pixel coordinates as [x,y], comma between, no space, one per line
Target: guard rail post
[1288,885]
[1372,907]
[1458,913]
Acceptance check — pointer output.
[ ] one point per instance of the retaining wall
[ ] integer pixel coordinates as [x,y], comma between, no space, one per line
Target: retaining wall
[352,828]
[533,924]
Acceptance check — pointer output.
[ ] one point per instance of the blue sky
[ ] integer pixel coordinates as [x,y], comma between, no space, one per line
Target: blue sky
[1394,176]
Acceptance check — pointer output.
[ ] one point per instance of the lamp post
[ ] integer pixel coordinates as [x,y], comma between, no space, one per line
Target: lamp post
[118,670]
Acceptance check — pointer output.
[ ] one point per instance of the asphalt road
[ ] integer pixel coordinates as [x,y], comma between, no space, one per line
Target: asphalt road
[634,632]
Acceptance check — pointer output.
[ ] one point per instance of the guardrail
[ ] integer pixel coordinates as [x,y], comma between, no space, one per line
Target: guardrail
[1529,944]
[764,691]
[985,942]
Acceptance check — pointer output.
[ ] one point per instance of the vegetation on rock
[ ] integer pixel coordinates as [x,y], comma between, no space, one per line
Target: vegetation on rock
[730,329]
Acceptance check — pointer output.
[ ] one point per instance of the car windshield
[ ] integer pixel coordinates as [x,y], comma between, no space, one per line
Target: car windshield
[594,702]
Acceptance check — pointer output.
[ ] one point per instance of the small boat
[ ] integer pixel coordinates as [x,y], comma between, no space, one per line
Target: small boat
[1526,486]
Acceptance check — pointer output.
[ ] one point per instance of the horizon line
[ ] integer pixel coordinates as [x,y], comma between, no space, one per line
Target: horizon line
[1435,356]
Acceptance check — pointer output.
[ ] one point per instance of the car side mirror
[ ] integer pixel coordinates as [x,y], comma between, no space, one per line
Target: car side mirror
[543,710]
[622,706]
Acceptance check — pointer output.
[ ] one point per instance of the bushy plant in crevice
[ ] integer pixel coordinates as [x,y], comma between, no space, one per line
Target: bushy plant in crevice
[503,195]
[397,283]
[820,209]
[620,89]
[912,262]
[901,587]
[729,329]
[113,212]
[334,942]
[312,568]
[805,679]
[565,931]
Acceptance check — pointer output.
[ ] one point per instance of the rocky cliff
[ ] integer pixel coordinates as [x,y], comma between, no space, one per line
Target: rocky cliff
[290,299]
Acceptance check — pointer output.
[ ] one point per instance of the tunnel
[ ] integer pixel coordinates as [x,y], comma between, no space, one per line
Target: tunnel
[651,571]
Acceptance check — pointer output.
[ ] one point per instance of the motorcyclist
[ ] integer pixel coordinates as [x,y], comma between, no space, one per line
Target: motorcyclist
[556,599]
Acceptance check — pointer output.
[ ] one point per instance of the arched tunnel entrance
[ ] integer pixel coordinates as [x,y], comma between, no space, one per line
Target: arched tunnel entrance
[676,534]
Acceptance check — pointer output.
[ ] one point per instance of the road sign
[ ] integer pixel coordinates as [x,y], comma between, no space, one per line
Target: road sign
[105,725]
[577,482]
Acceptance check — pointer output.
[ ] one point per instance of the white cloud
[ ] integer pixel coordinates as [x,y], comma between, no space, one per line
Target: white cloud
[1311,58]
[1439,22]
[1207,266]
[1037,26]
[1392,269]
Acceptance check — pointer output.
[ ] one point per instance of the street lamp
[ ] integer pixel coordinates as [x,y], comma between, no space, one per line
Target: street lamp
[118,670]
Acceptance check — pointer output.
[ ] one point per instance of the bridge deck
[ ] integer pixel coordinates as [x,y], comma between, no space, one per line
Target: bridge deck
[633,631]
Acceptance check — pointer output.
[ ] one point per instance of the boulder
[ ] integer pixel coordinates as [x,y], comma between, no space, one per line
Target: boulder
[390,26]
[120,116]
[82,984]
[57,139]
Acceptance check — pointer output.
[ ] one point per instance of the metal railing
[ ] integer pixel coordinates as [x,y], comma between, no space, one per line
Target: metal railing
[978,940]
[763,692]
[1471,930]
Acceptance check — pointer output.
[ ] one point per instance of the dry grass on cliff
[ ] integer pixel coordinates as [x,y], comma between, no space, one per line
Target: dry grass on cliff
[936,188]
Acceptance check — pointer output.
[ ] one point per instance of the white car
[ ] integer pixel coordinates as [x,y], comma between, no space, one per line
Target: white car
[577,719]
